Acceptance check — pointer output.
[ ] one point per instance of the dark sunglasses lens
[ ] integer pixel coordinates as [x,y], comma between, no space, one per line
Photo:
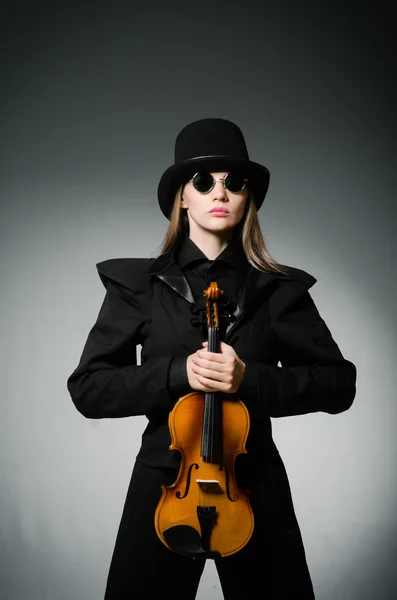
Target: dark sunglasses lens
[202,182]
[235,182]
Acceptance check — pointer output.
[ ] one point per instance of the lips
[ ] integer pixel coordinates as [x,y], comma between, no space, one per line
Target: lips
[219,211]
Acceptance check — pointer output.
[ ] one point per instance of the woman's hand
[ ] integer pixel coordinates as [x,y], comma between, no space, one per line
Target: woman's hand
[215,372]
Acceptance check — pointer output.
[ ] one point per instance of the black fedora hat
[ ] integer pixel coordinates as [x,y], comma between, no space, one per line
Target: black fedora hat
[211,145]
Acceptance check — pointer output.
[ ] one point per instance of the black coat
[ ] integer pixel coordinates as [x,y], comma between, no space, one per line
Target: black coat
[148,302]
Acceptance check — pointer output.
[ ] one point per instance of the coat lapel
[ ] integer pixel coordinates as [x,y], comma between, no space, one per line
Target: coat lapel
[165,268]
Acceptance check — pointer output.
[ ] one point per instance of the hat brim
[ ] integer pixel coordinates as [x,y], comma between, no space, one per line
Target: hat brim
[258,177]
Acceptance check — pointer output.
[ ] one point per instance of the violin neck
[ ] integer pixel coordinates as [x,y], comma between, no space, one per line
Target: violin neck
[212,433]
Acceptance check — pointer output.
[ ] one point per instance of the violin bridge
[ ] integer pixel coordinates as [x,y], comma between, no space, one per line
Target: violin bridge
[210,486]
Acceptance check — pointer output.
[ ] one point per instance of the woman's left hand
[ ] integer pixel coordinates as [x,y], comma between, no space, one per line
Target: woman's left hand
[221,371]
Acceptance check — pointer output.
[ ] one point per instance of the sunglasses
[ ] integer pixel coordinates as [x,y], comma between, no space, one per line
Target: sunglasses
[204,182]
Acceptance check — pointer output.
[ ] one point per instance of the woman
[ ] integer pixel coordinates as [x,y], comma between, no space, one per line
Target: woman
[211,195]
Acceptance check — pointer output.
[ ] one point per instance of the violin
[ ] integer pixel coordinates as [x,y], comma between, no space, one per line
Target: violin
[204,513]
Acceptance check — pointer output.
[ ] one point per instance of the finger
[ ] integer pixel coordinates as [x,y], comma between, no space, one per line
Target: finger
[215,356]
[207,368]
[209,373]
[227,349]
[211,366]
[211,384]
[205,362]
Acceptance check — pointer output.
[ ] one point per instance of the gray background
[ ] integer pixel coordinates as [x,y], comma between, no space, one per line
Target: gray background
[93,95]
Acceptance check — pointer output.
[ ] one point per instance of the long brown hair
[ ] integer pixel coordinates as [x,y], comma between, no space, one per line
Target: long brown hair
[248,230]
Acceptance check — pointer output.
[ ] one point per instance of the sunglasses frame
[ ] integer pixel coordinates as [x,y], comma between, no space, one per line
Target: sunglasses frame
[214,180]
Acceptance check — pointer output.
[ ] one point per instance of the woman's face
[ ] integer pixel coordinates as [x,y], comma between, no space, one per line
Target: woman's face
[217,211]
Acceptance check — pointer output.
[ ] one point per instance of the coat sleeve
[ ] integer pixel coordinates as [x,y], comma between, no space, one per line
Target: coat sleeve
[107,381]
[314,375]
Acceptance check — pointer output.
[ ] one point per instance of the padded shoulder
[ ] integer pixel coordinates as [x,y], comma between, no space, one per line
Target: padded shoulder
[300,276]
[291,287]
[128,272]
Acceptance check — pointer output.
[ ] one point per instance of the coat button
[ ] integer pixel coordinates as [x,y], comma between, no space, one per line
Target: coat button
[194,309]
[195,322]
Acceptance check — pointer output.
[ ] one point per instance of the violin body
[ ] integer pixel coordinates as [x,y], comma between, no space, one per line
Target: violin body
[204,513]
[201,485]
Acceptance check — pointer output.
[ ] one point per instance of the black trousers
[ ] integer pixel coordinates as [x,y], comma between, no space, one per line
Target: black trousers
[271,566]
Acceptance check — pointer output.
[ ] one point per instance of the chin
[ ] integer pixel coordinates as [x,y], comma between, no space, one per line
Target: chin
[225,228]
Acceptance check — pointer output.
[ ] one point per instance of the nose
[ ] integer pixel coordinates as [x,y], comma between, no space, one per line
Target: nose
[219,191]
